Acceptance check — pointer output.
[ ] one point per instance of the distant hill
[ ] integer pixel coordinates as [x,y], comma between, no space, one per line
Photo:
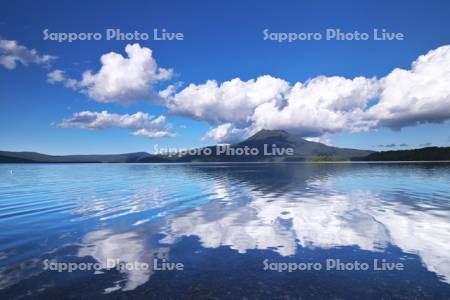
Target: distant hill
[35,157]
[11,159]
[423,154]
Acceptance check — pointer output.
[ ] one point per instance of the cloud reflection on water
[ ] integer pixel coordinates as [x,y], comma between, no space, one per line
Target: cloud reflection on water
[128,247]
[320,217]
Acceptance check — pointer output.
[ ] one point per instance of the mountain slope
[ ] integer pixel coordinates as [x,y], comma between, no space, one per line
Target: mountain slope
[302,147]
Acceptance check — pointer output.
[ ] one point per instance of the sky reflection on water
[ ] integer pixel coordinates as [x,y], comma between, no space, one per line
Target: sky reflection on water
[141,212]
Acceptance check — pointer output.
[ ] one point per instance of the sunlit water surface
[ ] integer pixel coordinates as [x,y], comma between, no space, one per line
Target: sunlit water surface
[222,221]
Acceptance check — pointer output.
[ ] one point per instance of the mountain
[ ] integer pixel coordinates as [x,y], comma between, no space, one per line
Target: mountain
[302,147]
[35,157]
[423,154]
[263,142]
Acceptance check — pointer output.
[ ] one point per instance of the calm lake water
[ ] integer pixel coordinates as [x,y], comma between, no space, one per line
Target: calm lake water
[230,226]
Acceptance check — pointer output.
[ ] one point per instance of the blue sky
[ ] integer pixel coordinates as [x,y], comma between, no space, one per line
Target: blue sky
[222,41]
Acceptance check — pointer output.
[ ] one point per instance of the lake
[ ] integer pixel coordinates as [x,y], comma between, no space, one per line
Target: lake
[225,231]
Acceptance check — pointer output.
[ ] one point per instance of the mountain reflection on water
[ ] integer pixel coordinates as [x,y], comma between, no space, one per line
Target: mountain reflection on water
[241,213]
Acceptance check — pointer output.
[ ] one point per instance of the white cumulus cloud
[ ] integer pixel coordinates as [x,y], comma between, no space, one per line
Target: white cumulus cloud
[124,78]
[324,139]
[151,133]
[59,76]
[12,53]
[119,79]
[142,123]
[55,76]
[225,133]
[419,95]
[231,101]
[322,105]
